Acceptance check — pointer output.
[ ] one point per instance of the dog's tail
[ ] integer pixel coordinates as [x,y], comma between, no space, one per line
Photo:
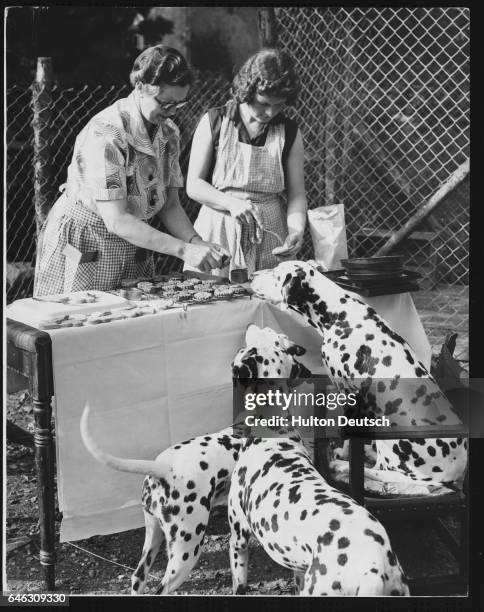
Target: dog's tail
[158,468]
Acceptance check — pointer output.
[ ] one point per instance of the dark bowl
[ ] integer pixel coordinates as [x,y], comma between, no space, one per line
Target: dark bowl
[386,264]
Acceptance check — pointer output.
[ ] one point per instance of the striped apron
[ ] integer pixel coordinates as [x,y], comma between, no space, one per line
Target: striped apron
[257,173]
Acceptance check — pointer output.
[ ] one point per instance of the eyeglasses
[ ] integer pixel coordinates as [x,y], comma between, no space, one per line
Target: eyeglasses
[168,105]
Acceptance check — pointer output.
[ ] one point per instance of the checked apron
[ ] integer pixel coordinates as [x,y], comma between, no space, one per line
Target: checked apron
[242,170]
[77,253]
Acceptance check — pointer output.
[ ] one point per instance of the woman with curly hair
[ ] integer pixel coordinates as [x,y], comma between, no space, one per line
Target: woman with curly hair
[246,168]
[124,171]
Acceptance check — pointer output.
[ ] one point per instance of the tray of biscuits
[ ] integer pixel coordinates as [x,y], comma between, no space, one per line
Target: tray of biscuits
[180,289]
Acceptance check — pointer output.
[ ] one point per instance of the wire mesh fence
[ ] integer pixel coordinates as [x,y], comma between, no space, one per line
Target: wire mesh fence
[384,112]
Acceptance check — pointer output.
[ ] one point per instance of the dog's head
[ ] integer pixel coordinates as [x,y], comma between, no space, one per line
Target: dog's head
[287,283]
[268,354]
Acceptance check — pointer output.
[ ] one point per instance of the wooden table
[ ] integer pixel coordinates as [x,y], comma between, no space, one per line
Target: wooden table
[29,354]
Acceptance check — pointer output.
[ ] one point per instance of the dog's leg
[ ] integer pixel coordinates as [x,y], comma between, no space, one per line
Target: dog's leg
[239,550]
[183,553]
[151,546]
[316,581]
[298,580]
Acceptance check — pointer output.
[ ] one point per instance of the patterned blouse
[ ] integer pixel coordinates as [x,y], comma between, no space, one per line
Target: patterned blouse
[114,158]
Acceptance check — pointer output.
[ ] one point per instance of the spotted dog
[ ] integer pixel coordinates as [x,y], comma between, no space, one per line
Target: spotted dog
[333,545]
[188,479]
[360,348]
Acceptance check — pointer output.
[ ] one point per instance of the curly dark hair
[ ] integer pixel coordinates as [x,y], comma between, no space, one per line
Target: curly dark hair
[161,65]
[269,72]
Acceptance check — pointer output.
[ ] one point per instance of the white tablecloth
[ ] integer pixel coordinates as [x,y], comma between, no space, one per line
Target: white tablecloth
[154,381]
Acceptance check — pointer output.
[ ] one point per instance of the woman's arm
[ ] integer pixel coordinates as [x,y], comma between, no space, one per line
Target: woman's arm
[175,218]
[200,190]
[122,223]
[296,200]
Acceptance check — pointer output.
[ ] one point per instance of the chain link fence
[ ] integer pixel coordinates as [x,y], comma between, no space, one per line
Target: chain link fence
[384,112]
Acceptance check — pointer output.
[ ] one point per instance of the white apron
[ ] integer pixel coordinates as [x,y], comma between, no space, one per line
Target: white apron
[256,172]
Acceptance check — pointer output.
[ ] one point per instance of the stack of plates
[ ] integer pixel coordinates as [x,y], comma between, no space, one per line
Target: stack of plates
[374,268]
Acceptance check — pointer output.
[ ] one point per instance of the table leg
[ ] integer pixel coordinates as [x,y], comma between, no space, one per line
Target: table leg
[44,461]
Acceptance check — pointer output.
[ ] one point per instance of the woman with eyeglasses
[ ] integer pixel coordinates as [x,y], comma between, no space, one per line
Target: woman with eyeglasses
[246,168]
[124,171]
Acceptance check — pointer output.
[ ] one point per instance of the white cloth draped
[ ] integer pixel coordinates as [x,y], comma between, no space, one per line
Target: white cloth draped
[154,381]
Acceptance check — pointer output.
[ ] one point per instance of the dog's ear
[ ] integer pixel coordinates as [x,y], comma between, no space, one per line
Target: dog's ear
[248,367]
[242,371]
[299,370]
[295,349]
[287,280]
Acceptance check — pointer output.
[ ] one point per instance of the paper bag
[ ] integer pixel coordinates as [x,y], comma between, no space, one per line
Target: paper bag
[328,233]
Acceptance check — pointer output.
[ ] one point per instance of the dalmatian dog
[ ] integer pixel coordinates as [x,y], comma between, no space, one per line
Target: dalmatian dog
[334,546]
[188,479]
[361,351]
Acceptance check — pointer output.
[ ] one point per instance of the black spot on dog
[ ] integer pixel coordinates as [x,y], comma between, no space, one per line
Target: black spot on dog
[326,539]
[204,465]
[343,543]
[274,525]
[365,363]
[294,495]
[334,524]
[377,537]
[392,560]
[392,407]
[409,357]
[342,559]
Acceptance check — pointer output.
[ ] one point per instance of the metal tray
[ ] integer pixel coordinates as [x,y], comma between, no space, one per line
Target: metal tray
[403,283]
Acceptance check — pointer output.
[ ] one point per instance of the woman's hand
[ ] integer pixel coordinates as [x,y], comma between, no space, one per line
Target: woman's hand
[205,255]
[248,214]
[291,246]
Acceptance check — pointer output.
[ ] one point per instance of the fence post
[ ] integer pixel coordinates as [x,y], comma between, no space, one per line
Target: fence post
[42,103]
[267,27]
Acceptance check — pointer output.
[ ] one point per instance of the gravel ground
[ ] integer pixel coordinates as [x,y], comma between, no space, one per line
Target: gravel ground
[105,568]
